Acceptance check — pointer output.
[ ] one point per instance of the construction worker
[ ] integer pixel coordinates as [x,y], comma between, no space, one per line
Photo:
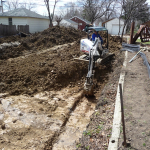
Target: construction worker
[96,34]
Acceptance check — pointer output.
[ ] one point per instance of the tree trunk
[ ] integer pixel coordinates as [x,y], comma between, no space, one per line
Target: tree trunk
[122,33]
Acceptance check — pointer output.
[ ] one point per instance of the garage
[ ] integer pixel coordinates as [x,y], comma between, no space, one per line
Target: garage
[113,26]
[115,29]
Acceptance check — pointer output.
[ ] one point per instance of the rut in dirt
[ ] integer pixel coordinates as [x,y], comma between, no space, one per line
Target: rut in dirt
[33,68]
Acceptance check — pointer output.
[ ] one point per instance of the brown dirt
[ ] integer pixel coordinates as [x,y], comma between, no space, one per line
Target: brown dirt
[136,105]
[37,66]
[98,131]
[38,41]
[52,69]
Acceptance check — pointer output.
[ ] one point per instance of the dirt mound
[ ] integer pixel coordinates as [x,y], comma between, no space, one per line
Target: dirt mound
[9,39]
[37,70]
[38,41]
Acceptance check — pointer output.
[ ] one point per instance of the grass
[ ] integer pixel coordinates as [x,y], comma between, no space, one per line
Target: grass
[121,129]
[144,144]
[78,145]
[139,40]
[87,133]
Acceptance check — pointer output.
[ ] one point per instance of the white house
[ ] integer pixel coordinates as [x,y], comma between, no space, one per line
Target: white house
[113,26]
[67,23]
[23,16]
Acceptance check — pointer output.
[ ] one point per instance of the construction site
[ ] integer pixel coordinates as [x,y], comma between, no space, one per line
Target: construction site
[42,101]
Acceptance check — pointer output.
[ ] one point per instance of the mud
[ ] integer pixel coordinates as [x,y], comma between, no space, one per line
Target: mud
[43,85]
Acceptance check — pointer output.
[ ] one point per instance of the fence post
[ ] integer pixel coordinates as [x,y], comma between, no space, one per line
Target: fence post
[122,113]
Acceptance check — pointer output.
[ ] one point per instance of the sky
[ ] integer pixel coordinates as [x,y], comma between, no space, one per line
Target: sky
[60,6]
[41,8]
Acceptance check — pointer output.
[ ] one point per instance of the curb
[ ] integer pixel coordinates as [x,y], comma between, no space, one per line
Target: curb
[113,142]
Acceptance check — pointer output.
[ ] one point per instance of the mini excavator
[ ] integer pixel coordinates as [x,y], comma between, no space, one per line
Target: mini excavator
[95,54]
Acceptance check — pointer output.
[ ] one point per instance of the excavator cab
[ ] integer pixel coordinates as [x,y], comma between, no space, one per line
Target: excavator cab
[98,30]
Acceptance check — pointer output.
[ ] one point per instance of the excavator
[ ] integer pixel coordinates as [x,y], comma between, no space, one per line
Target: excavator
[95,54]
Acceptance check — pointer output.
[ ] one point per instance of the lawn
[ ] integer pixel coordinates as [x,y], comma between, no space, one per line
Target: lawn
[139,40]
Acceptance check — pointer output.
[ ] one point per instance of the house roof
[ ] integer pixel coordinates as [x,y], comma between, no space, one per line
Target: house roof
[22,12]
[72,22]
[86,21]
[107,21]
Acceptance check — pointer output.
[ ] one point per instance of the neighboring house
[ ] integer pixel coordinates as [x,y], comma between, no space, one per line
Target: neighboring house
[80,21]
[113,26]
[67,23]
[23,16]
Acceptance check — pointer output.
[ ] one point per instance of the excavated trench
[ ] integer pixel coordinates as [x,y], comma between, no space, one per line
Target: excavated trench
[42,105]
[49,119]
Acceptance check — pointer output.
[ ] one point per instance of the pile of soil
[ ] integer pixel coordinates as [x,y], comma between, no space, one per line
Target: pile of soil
[38,41]
[52,69]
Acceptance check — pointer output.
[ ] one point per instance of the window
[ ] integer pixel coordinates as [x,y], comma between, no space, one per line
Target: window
[10,21]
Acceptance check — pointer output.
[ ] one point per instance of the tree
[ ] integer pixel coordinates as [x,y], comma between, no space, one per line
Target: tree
[28,5]
[111,12]
[72,10]
[95,9]
[50,15]
[14,4]
[133,10]
[11,4]
[58,19]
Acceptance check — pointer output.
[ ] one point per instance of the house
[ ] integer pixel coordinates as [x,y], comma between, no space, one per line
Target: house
[113,26]
[23,16]
[80,21]
[67,23]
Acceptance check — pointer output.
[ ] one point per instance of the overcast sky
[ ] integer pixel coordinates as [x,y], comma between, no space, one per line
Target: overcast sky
[60,7]
[41,8]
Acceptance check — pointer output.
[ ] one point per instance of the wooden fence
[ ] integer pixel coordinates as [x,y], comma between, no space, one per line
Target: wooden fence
[24,29]
[7,30]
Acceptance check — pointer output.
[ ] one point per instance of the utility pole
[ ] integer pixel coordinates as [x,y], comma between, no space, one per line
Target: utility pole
[1,6]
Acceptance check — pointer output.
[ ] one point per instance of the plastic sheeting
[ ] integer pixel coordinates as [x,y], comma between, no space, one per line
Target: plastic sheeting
[135,48]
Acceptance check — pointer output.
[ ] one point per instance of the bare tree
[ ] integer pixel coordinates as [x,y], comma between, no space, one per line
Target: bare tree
[50,15]
[72,10]
[14,4]
[131,10]
[11,4]
[28,5]
[94,9]
[111,12]
[58,19]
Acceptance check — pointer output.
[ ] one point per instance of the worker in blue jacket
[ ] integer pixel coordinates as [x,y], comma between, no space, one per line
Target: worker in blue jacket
[95,34]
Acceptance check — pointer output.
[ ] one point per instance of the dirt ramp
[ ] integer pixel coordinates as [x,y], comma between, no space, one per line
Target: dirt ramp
[53,69]
[46,69]
[39,41]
